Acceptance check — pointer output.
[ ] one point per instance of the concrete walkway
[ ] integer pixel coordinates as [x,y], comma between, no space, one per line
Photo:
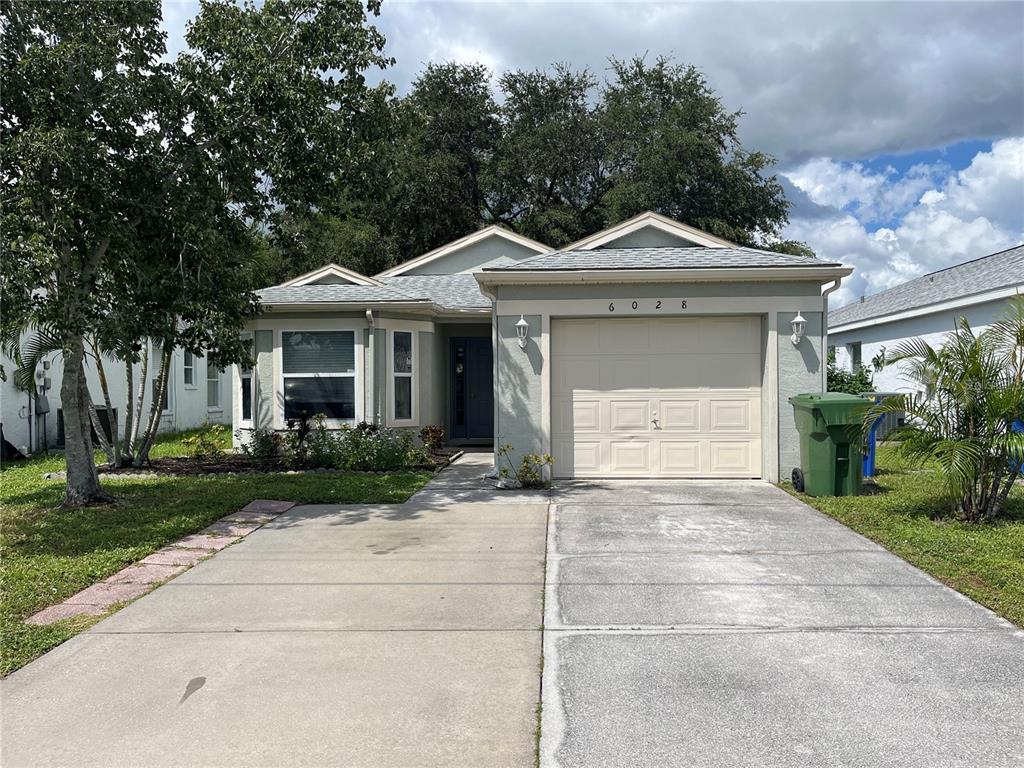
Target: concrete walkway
[727,624]
[403,635]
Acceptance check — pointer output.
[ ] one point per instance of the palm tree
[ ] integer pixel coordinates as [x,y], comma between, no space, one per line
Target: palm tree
[968,423]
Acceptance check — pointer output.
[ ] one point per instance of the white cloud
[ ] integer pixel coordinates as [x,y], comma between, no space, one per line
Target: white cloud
[966,214]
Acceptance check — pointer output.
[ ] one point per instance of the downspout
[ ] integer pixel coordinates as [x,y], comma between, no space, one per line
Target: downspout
[824,325]
[371,368]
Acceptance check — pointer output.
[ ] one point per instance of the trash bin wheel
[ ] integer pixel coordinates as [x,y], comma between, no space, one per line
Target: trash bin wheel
[798,479]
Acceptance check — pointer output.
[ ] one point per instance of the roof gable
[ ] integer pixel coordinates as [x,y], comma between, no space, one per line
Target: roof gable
[330,274]
[649,230]
[493,244]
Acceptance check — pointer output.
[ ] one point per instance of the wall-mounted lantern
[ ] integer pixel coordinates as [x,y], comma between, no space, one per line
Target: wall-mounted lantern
[522,331]
[799,326]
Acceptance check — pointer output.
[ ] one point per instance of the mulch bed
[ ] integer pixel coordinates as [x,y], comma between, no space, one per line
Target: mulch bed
[237,463]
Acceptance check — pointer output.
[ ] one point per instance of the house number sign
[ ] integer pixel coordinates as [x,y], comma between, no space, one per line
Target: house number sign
[658,304]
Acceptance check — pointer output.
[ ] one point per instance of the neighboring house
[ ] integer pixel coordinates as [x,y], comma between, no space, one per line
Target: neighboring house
[927,308]
[648,349]
[196,394]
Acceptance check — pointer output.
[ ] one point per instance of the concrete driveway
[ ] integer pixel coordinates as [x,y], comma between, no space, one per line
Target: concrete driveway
[727,624]
[335,636]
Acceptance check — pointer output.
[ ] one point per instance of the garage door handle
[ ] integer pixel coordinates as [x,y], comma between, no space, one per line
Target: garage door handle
[655,423]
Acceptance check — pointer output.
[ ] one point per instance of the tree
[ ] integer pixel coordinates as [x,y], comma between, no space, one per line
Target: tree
[119,169]
[970,423]
[840,380]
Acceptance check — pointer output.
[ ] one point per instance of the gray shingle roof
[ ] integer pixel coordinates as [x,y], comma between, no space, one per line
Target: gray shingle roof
[337,292]
[998,270]
[663,257]
[447,291]
[459,291]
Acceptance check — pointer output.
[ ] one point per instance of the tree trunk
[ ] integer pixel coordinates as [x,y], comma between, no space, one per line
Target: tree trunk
[83,483]
[155,411]
[140,398]
[112,447]
[129,412]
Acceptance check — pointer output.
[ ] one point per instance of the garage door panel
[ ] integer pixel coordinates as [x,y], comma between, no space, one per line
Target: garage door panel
[630,457]
[706,400]
[626,336]
[730,415]
[680,457]
[679,415]
[621,372]
[575,337]
[629,415]
[731,457]
[577,372]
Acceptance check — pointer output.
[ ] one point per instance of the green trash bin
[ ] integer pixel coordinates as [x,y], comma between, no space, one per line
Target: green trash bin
[830,453]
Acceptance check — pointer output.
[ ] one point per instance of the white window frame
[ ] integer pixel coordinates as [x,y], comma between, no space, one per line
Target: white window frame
[219,407]
[393,419]
[187,367]
[280,422]
[236,394]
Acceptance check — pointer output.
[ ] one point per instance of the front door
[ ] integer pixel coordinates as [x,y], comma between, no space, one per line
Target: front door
[472,389]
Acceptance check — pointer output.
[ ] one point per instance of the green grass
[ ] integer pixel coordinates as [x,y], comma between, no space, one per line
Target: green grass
[907,514]
[48,554]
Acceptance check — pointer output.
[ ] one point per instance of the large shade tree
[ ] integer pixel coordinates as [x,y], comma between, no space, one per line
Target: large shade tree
[555,154]
[132,185]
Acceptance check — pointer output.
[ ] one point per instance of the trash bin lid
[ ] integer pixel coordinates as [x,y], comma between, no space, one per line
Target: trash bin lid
[835,407]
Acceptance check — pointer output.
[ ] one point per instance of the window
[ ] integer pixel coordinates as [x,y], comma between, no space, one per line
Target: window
[855,359]
[245,376]
[401,348]
[189,367]
[213,387]
[319,371]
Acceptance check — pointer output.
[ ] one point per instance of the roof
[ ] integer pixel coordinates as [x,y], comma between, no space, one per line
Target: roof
[462,242]
[656,221]
[998,270]
[333,293]
[661,258]
[455,292]
[459,291]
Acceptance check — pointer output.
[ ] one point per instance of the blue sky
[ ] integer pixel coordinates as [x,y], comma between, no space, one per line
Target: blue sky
[898,127]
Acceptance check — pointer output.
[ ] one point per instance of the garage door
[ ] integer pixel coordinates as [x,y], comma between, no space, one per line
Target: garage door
[658,397]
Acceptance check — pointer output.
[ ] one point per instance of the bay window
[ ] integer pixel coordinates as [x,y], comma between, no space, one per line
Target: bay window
[401,372]
[319,372]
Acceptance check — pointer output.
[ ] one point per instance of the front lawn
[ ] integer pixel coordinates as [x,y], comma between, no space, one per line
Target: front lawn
[48,554]
[905,512]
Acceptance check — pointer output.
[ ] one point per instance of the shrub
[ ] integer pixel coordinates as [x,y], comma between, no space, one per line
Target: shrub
[841,380]
[530,472]
[367,447]
[432,437]
[264,445]
[967,423]
[205,445]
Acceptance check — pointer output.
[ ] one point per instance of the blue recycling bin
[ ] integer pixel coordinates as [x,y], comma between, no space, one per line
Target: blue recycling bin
[1018,426]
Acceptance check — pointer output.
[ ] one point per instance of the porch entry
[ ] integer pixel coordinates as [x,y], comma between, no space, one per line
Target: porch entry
[472,377]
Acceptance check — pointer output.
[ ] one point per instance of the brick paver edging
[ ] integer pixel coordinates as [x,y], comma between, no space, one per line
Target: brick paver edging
[152,571]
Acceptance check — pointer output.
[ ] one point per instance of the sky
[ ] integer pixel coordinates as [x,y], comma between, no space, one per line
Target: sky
[898,128]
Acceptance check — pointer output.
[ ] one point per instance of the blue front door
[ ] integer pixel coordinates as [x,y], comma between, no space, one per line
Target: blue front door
[472,379]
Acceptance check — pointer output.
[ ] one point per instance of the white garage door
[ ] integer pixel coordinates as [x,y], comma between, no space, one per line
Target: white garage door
[657,397]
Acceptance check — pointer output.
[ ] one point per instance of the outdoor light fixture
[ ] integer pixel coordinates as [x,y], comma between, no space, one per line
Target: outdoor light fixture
[522,329]
[799,326]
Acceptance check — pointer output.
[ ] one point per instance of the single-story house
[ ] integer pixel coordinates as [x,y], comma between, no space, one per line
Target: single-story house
[650,349]
[926,307]
[196,394]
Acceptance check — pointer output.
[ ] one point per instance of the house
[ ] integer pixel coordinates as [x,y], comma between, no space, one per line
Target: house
[927,308]
[196,394]
[650,349]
